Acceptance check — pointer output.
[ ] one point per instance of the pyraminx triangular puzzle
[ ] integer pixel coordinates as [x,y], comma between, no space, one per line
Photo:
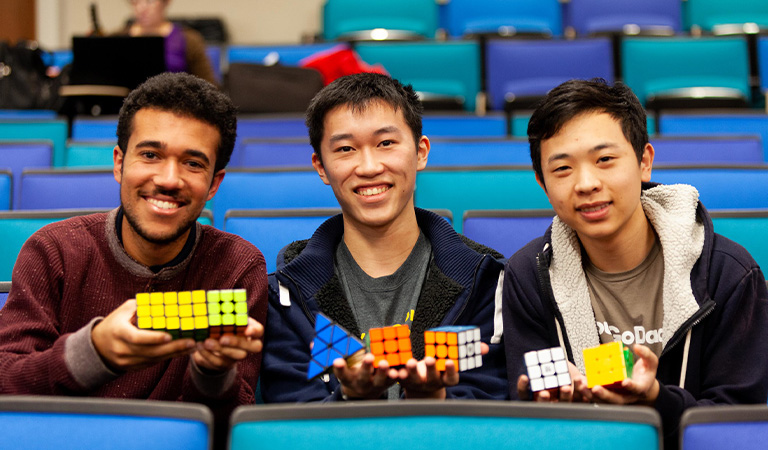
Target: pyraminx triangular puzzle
[331,342]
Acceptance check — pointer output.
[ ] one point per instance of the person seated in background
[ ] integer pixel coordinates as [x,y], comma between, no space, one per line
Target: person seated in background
[184,47]
[380,262]
[631,261]
[67,327]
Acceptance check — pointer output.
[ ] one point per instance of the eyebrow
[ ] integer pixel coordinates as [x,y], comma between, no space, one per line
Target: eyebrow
[596,148]
[161,146]
[383,130]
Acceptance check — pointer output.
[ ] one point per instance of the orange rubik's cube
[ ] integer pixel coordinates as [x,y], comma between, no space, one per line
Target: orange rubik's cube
[193,314]
[608,364]
[461,344]
[392,344]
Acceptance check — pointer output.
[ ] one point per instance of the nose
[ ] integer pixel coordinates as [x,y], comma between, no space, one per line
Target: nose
[168,176]
[587,181]
[369,163]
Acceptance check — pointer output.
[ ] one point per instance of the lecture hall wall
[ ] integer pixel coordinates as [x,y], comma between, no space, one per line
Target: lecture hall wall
[248,21]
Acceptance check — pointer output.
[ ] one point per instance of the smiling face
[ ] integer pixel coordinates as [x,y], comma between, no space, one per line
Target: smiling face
[593,180]
[149,14]
[370,160]
[166,175]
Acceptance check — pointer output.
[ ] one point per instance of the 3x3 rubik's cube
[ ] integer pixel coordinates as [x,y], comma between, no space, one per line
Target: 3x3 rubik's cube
[193,314]
[393,344]
[605,365]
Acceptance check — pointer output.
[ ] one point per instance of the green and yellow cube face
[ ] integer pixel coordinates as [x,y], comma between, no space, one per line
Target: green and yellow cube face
[193,314]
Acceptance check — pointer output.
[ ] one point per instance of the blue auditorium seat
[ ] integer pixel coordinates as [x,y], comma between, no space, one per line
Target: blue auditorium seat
[463,125]
[724,187]
[20,155]
[22,114]
[287,55]
[64,423]
[270,189]
[17,226]
[82,154]
[55,130]
[403,19]
[478,152]
[462,188]
[68,189]
[724,427]
[271,230]
[435,69]
[506,230]
[275,153]
[707,150]
[504,17]
[716,123]
[518,69]
[6,189]
[5,287]
[601,16]
[658,69]
[85,128]
[464,425]
[762,55]
[747,228]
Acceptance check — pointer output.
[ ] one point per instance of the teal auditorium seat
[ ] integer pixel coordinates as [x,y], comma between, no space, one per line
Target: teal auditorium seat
[403,19]
[270,189]
[506,230]
[272,229]
[20,155]
[35,422]
[669,68]
[435,69]
[503,17]
[86,128]
[748,228]
[716,123]
[462,188]
[709,14]
[17,226]
[456,425]
[724,427]
[92,154]
[707,150]
[287,55]
[721,187]
[55,130]
[68,189]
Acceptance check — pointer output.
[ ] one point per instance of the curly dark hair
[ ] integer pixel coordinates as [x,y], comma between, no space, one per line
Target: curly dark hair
[576,97]
[188,96]
[358,92]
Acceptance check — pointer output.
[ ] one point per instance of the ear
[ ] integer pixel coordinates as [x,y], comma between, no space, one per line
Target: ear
[422,153]
[117,159]
[646,163]
[541,182]
[215,183]
[319,168]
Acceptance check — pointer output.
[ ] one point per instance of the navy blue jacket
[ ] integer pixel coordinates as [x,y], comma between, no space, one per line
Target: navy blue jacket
[726,362]
[460,289]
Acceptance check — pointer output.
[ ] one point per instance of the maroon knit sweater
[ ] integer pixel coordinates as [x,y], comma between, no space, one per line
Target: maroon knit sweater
[73,271]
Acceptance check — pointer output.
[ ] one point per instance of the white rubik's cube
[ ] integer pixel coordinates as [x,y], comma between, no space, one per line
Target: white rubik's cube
[547,369]
[461,344]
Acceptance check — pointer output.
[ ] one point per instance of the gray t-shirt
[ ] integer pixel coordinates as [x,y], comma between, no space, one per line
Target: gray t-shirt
[388,300]
[628,305]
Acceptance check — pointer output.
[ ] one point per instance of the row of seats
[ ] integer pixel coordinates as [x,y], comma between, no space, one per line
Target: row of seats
[130,424]
[347,19]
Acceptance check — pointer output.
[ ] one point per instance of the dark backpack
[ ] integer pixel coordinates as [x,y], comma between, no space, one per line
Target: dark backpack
[23,81]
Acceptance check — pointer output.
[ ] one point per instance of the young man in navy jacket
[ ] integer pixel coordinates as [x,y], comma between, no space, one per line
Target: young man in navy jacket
[379,263]
[633,261]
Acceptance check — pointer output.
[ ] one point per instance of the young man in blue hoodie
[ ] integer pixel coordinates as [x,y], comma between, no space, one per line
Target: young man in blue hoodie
[379,263]
[633,261]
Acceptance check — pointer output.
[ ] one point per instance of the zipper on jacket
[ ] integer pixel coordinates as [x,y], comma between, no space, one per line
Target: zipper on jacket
[705,310]
[545,286]
[300,300]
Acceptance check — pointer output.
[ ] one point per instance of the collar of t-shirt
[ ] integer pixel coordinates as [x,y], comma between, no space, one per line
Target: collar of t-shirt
[185,251]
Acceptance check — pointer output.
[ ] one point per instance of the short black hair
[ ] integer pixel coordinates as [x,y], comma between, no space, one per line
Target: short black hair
[188,96]
[358,92]
[576,97]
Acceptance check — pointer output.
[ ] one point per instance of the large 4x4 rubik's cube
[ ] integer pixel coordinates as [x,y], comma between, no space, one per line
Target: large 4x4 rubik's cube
[193,314]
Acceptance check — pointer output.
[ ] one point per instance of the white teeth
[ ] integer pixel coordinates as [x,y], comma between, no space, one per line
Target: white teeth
[372,191]
[593,209]
[163,205]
